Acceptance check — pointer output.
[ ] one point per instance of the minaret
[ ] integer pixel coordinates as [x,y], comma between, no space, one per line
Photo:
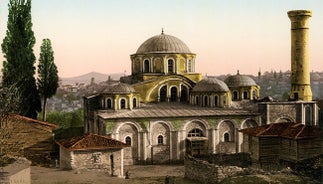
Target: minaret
[300,66]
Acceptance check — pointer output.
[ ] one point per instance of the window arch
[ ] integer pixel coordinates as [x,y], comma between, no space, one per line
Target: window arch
[245,95]
[122,104]
[163,94]
[146,66]
[109,103]
[216,101]
[128,140]
[160,139]
[134,103]
[170,66]
[196,100]
[195,133]
[189,66]
[206,101]
[235,95]
[173,94]
[184,92]
[226,137]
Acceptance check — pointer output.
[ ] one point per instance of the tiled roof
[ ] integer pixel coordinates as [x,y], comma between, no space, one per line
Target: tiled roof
[33,121]
[119,88]
[285,130]
[91,142]
[171,110]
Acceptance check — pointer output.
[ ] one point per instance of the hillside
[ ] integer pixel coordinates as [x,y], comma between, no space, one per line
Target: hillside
[86,78]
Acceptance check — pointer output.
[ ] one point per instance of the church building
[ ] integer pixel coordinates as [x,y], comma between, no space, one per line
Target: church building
[166,109]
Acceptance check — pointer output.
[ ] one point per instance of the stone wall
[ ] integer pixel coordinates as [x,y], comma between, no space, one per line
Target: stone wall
[100,160]
[18,172]
[204,172]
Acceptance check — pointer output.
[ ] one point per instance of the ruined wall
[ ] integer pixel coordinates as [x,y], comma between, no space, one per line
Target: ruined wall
[205,172]
[18,172]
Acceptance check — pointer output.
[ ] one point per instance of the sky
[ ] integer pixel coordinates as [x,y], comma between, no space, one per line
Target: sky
[226,35]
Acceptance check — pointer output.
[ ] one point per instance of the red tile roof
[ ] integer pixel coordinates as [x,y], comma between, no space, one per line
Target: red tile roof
[91,142]
[285,130]
[32,121]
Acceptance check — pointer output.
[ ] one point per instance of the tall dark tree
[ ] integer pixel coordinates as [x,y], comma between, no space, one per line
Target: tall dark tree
[17,47]
[47,73]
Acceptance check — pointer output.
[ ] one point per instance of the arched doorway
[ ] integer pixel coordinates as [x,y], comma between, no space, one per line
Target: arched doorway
[173,94]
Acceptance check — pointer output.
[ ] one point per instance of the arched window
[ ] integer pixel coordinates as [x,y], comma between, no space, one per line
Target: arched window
[189,66]
[206,101]
[196,100]
[170,66]
[245,95]
[146,66]
[128,140]
[235,95]
[122,104]
[173,94]
[160,139]
[134,103]
[163,94]
[109,103]
[226,137]
[184,94]
[195,133]
[216,101]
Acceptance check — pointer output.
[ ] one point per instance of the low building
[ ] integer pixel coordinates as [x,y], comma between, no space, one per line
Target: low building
[26,137]
[92,151]
[273,144]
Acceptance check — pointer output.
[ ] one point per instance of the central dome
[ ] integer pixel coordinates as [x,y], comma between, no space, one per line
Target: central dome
[163,44]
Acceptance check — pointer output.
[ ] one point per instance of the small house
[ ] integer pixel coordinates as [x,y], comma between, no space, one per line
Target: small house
[92,151]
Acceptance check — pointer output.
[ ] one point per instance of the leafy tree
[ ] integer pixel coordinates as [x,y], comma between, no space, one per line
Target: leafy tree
[17,47]
[47,74]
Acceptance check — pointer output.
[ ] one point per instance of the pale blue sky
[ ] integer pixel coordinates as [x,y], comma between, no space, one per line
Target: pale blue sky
[226,35]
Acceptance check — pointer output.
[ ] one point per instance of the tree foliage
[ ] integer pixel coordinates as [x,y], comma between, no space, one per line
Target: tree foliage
[17,47]
[47,73]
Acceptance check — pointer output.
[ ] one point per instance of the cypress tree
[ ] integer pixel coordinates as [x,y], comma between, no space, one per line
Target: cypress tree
[47,73]
[17,47]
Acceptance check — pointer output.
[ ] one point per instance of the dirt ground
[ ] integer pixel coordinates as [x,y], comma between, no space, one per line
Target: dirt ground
[42,175]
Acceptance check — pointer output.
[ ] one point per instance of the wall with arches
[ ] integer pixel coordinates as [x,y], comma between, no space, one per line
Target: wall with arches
[165,141]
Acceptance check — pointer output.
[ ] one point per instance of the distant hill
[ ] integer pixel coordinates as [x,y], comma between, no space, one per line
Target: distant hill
[86,78]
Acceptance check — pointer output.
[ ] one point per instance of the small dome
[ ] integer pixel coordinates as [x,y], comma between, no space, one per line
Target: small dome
[239,81]
[210,85]
[163,44]
[119,88]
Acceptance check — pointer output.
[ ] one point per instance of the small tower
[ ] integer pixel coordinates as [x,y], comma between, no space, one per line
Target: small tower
[300,78]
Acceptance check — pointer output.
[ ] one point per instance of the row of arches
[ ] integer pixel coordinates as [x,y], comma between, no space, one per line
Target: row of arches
[170,66]
[160,135]
[119,103]
[244,95]
[172,94]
